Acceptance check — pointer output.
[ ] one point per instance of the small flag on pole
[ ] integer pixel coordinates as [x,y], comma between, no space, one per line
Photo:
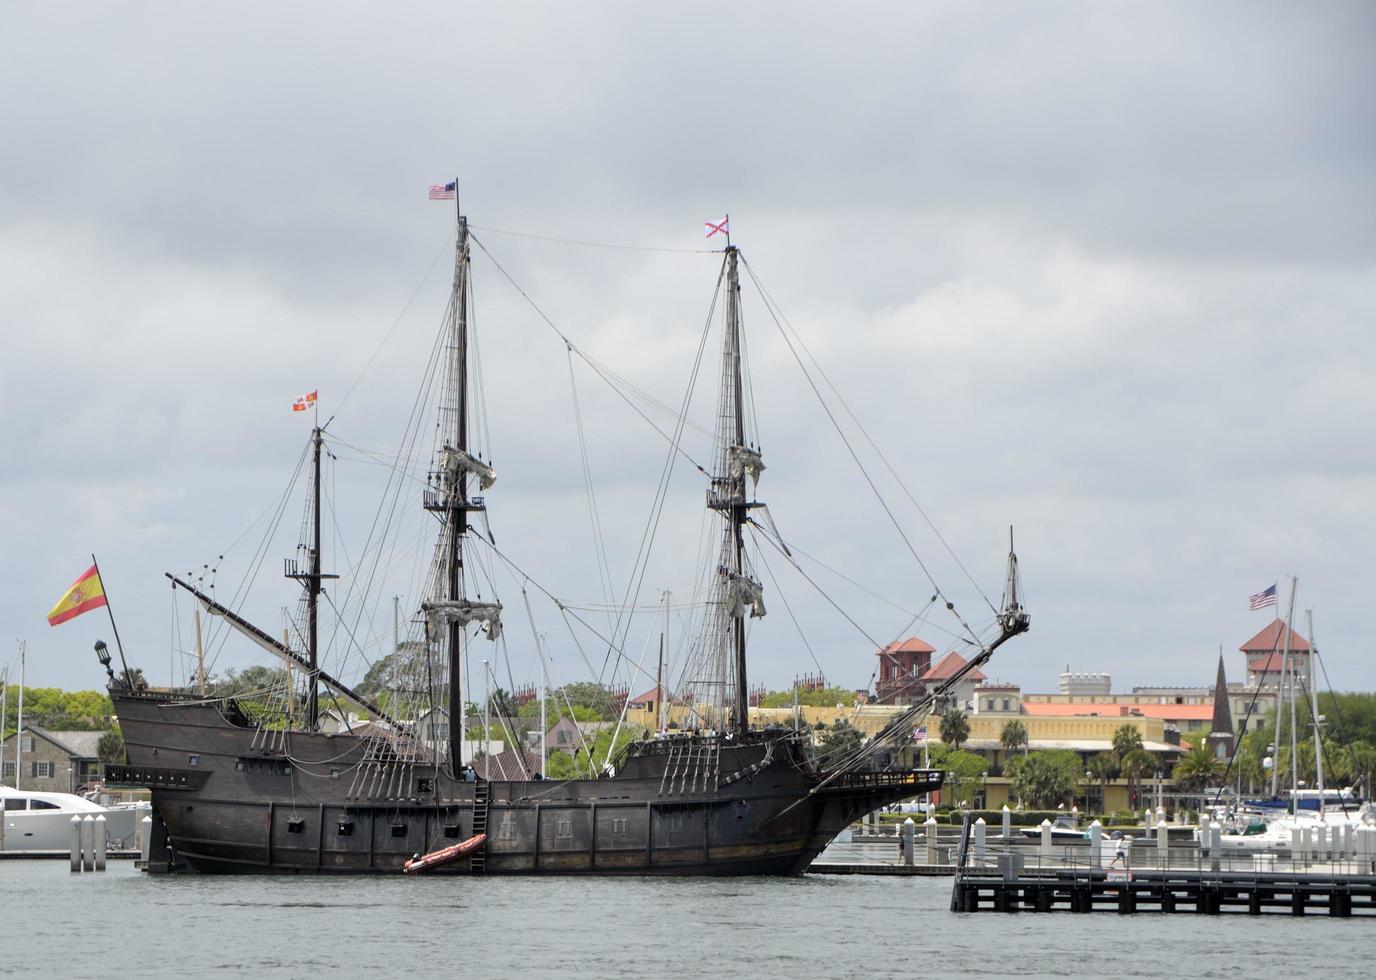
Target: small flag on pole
[86,593]
[920,733]
[443,192]
[723,227]
[304,402]
[1264,598]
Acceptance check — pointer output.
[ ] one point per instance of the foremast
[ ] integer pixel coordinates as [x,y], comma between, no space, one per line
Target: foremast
[734,590]
[450,611]
[312,579]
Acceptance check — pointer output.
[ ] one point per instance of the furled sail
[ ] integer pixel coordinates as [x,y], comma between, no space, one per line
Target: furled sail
[745,593]
[463,612]
[455,461]
[745,462]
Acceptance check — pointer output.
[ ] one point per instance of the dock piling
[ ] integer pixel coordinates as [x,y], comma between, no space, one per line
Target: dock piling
[145,837]
[76,843]
[99,842]
[1096,845]
[88,830]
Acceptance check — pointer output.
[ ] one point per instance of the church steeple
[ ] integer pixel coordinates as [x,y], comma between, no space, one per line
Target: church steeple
[1221,736]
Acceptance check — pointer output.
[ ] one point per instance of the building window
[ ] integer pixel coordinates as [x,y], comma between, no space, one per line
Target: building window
[1006,704]
[8,773]
[42,770]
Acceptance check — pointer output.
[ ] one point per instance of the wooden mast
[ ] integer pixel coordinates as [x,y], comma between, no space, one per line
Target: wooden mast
[313,592]
[312,578]
[458,500]
[737,512]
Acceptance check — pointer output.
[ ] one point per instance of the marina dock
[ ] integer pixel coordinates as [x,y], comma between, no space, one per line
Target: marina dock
[1204,892]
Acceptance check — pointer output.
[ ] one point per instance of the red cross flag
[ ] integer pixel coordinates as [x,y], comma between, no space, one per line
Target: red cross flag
[724,227]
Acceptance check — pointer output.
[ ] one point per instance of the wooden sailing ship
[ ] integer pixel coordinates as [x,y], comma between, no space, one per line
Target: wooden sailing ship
[234,794]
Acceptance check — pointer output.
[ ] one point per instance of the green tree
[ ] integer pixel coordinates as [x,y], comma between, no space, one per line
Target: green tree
[839,741]
[110,748]
[1045,779]
[955,727]
[376,677]
[1126,740]
[825,697]
[584,762]
[1134,766]
[964,770]
[1196,769]
[1103,767]
[589,695]
[1013,736]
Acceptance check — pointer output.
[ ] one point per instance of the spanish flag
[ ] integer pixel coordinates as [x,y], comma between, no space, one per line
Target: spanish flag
[86,593]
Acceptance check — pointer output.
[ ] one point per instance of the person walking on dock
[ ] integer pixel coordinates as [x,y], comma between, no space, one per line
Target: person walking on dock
[1120,851]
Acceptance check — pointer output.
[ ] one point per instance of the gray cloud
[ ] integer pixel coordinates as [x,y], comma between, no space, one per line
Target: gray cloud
[1102,272]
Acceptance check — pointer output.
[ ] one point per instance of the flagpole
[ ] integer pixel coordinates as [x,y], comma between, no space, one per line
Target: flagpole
[111,613]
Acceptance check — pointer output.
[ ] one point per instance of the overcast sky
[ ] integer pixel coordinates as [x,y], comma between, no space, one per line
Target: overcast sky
[1099,271]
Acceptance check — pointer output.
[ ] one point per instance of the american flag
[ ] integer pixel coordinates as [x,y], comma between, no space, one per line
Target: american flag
[442,192]
[920,733]
[1266,597]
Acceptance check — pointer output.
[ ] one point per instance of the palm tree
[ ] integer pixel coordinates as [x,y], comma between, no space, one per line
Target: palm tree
[1196,769]
[1103,767]
[955,727]
[1134,766]
[1126,739]
[1013,737]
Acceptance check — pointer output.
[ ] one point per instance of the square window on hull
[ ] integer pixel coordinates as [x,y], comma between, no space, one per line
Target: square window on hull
[399,830]
[345,828]
[296,826]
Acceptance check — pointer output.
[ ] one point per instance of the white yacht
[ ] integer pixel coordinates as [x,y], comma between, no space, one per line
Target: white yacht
[39,821]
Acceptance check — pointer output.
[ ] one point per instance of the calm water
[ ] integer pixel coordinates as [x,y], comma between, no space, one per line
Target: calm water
[56,924]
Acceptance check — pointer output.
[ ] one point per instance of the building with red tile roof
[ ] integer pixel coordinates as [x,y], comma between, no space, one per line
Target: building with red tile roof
[901,666]
[1265,655]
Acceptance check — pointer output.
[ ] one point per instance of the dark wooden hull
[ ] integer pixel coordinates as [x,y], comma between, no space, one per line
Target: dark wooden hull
[230,799]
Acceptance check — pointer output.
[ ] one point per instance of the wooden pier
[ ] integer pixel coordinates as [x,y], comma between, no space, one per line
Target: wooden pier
[1203,892]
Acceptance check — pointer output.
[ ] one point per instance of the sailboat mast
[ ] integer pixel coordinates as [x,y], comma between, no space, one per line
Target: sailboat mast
[458,501]
[19,732]
[737,513]
[1314,705]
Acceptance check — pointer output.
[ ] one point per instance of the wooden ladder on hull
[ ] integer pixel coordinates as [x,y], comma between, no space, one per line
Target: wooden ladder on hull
[477,863]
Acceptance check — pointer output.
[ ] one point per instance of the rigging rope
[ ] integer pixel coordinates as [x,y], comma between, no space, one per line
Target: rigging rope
[572,241]
[776,313]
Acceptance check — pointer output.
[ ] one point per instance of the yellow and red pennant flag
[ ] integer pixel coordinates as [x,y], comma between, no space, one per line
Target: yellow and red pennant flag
[86,593]
[304,402]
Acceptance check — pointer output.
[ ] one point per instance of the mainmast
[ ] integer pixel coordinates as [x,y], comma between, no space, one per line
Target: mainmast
[736,591]
[738,512]
[450,611]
